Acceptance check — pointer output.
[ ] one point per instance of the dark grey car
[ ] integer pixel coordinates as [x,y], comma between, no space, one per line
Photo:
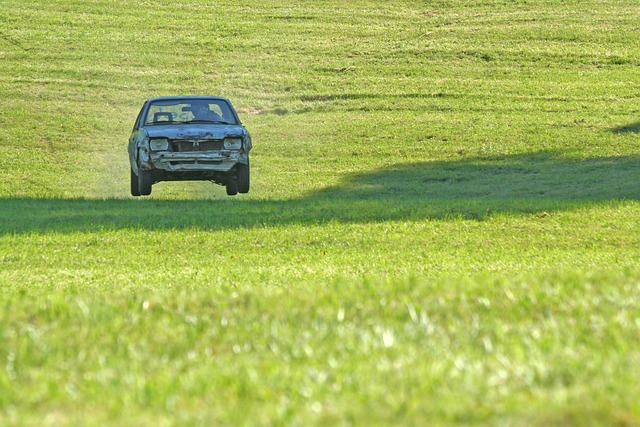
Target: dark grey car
[189,138]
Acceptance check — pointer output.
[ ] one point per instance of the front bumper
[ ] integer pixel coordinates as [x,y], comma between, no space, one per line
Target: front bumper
[222,161]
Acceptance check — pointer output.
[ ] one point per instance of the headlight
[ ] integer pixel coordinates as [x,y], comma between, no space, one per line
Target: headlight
[159,144]
[233,143]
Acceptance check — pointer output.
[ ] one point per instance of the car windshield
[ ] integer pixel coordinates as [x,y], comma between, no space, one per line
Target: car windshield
[189,111]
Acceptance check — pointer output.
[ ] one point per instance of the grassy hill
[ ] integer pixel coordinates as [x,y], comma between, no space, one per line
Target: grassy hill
[442,227]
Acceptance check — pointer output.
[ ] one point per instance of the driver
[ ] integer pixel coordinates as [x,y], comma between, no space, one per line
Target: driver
[201,111]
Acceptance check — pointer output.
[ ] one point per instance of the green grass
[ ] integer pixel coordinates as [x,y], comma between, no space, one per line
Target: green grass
[442,227]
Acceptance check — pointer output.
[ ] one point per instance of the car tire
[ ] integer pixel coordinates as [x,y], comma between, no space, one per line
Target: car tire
[243,175]
[135,191]
[144,182]
[232,186]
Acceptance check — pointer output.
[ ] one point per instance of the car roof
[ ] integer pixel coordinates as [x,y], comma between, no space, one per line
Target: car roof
[194,97]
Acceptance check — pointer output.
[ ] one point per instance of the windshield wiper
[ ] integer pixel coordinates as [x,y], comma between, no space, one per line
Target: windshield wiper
[208,121]
[179,122]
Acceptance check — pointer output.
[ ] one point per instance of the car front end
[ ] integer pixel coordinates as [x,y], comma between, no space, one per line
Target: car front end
[201,148]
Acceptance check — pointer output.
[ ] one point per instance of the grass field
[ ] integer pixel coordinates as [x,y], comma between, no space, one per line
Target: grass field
[442,227]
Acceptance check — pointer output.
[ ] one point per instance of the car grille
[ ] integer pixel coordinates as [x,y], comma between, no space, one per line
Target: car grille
[205,145]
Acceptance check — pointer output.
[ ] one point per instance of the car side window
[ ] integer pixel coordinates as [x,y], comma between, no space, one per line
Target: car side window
[136,125]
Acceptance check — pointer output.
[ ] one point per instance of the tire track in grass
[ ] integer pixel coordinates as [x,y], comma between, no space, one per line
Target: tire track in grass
[10,40]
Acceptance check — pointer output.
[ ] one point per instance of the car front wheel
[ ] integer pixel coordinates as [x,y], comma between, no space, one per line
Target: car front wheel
[243,177]
[135,191]
[232,186]
[144,182]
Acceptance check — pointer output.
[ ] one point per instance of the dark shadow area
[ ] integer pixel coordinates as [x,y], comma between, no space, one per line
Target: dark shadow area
[472,188]
[630,128]
[361,96]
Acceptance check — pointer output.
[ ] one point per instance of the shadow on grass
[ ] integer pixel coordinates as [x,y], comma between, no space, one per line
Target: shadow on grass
[365,96]
[473,188]
[630,128]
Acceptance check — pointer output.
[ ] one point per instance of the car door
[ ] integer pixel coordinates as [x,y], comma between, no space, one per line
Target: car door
[135,135]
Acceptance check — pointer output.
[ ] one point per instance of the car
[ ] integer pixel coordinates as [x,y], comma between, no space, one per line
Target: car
[189,138]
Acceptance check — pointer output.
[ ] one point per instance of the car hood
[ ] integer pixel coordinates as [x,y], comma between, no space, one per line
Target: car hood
[194,131]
